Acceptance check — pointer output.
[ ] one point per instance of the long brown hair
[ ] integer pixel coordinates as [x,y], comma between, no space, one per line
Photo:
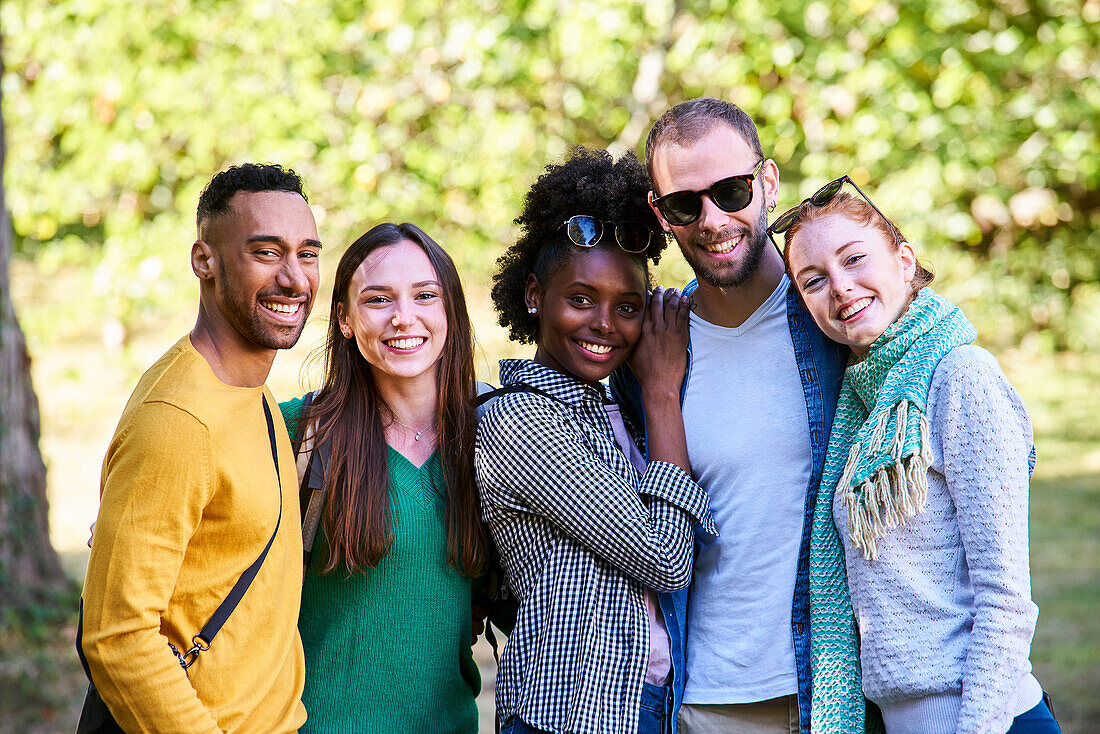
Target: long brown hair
[351,415]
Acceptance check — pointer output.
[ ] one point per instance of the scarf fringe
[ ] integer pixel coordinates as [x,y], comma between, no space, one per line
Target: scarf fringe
[900,365]
[895,491]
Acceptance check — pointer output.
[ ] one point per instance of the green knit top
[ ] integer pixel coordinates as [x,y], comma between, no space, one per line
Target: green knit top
[388,650]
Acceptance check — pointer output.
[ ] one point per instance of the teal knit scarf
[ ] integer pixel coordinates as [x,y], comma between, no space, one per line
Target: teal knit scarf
[877,463]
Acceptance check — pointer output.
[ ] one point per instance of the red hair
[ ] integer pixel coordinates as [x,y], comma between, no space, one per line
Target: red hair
[858,210]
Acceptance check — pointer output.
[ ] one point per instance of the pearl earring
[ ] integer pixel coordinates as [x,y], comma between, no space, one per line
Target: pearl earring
[532,310]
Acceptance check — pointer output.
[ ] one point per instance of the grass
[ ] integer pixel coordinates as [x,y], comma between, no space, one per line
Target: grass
[1065,529]
[84,380]
[1065,563]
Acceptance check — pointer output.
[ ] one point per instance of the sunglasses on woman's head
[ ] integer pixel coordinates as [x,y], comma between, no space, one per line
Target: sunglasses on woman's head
[681,208]
[586,231]
[821,197]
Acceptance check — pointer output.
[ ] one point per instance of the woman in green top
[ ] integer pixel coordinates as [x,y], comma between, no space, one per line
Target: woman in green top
[385,618]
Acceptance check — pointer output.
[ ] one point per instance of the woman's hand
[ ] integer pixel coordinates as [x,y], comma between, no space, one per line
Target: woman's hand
[660,357]
[659,362]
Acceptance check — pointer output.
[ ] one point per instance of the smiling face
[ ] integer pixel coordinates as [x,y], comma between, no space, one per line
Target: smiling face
[590,312]
[724,249]
[265,253]
[394,310]
[854,280]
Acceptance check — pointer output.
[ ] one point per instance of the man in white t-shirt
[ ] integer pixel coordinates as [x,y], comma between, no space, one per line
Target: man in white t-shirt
[758,401]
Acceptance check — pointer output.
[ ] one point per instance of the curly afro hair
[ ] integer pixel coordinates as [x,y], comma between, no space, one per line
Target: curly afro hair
[588,182]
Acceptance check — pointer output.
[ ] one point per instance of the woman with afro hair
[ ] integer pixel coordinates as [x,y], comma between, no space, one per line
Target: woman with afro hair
[589,530]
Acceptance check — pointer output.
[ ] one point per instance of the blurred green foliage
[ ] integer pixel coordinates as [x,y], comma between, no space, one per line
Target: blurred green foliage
[974,123]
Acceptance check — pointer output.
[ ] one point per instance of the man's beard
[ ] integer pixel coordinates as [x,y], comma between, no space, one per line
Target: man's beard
[248,321]
[730,275]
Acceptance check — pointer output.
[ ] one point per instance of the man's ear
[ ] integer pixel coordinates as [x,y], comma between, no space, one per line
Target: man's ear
[770,173]
[651,197]
[204,260]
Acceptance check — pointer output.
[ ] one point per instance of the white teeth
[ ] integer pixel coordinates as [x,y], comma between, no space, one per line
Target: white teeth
[721,248]
[283,308]
[595,348]
[409,343]
[854,308]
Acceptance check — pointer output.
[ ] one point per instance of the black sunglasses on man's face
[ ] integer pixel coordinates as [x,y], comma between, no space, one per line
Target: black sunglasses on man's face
[681,208]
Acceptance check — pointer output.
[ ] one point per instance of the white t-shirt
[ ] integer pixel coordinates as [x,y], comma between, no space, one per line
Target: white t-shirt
[749,444]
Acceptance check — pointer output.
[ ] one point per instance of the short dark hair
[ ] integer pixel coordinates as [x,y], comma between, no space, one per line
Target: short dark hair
[689,121]
[214,200]
[588,182]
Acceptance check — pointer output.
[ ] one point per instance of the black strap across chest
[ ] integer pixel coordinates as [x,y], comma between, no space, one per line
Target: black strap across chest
[516,387]
[221,614]
[201,641]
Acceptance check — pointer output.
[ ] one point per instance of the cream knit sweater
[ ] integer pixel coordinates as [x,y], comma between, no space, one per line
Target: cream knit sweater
[945,613]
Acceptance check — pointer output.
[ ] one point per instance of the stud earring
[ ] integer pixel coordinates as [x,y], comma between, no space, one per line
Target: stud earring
[532,310]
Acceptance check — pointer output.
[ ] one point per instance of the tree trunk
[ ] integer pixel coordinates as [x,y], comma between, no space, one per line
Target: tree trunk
[30,571]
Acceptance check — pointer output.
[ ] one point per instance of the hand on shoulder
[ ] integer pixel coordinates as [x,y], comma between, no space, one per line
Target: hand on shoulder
[660,358]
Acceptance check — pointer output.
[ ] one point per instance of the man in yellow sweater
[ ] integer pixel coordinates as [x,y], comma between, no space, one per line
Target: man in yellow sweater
[189,493]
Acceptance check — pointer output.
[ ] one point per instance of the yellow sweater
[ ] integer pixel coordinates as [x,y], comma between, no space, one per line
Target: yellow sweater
[188,501]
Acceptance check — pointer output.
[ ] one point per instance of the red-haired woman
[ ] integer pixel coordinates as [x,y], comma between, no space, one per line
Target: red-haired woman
[922,512]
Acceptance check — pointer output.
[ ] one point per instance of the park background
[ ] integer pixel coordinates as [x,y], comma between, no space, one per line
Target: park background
[973,124]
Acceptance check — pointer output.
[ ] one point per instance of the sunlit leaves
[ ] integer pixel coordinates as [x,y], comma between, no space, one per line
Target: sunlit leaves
[974,123]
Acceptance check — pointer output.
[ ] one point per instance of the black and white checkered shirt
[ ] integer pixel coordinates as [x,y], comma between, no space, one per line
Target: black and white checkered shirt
[581,536]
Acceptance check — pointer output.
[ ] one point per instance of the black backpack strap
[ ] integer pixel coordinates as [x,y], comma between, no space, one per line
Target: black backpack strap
[298,441]
[300,427]
[515,387]
[310,489]
[201,641]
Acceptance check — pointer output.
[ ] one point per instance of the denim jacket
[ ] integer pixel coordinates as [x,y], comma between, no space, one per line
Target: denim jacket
[821,365]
